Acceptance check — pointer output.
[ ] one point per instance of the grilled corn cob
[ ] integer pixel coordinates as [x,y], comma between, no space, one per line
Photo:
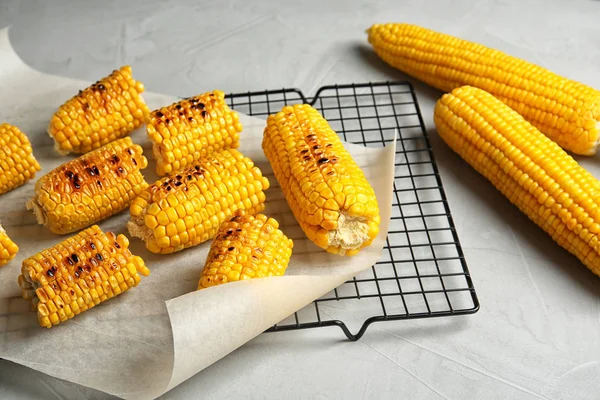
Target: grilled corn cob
[107,110]
[186,209]
[566,111]
[8,248]
[90,188]
[532,171]
[246,247]
[17,163]
[79,273]
[328,193]
[186,131]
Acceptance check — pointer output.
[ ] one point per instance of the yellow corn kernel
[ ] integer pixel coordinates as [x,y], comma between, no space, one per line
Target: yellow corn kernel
[190,203]
[82,271]
[107,110]
[8,248]
[532,171]
[567,111]
[17,163]
[186,131]
[90,188]
[311,164]
[246,247]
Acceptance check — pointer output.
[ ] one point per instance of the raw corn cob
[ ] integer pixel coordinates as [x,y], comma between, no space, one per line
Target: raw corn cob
[566,111]
[90,188]
[8,248]
[328,193]
[246,247]
[532,171]
[17,163]
[79,273]
[186,209]
[186,131]
[107,110]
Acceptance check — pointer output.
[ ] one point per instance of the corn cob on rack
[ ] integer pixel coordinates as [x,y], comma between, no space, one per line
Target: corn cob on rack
[186,209]
[328,193]
[8,248]
[186,131]
[79,273]
[17,163]
[90,188]
[107,110]
[532,171]
[246,247]
[566,111]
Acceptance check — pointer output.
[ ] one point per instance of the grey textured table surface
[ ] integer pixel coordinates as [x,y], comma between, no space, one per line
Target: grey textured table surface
[536,334]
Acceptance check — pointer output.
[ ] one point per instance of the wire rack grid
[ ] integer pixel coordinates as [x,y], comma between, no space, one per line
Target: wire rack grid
[422,271]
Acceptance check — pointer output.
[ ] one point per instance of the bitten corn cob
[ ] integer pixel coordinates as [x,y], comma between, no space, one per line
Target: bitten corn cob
[90,188]
[79,273]
[17,163]
[566,111]
[246,247]
[186,131]
[328,193]
[107,110]
[186,209]
[532,171]
[8,248]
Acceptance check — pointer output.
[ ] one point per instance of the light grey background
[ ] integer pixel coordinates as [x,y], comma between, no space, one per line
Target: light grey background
[536,334]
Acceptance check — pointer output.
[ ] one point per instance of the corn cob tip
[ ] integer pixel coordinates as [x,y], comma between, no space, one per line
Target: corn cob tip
[8,248]
[18,165]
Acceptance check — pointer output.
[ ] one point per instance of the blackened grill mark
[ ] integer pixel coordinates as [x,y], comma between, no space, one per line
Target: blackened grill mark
[238,230]
[99,257]
[117,245]
[85,106]
[316,146]
[178,177]
[329,145]
[231,249]
[134,162]
[189,177]
[159,114]
[306,158]
[69,174]
[90,171]
[168,121]
[190,119]
[99,183]
[323,161]
[93,246]
[87,268]
[121,170]
[115,159]
[178,106]
[130,151]
[50,273]
[178,183]
[74,258]
[168,188]
[101,87]
[197,167]
[304,151]
[193,100]
[204,114]
[202,106]
[69,261]
[95,169]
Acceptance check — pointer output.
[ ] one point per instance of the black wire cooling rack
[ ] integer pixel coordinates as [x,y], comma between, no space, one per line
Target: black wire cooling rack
[422,271]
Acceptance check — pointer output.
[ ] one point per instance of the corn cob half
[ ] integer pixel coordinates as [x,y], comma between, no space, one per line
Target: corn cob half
[79,273]
[186,131]
[186,209]
[17,163]
[532,171]
[8,248]
[107,110]
[328,193]
[90,188]
[566,111]
[246,247]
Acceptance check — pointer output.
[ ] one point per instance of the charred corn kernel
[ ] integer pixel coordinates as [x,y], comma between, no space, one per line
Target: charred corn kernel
[310,161]
[246,247]
[192,203]
[8,248]
[17,163]
[90,188]
[532,171]
[566,111]
[107,110]
[186,131]
[79,273]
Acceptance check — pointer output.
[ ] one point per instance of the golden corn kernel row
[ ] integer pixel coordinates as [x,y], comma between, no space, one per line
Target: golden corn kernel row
[565,110]
[90,188]
[17,163]
[532,171]
[107,110]
[186,131]
[246,247]
[327,191]
[79,273]
[8,248]
[186,209]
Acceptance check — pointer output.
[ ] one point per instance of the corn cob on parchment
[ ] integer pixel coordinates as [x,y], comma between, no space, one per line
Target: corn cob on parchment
[532,171]
[17,163]
[8,248]
[90,188]
[565,110]
[328,193]
[79,273]
[246,247]
[186,209]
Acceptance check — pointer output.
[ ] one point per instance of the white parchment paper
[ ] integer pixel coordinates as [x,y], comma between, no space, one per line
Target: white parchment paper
[155,336]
